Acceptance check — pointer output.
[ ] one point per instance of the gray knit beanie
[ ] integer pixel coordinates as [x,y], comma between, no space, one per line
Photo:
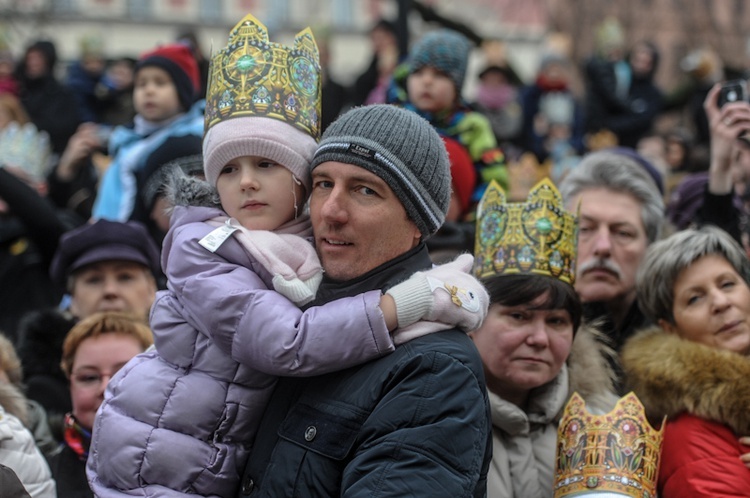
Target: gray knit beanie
[445,50]
[400,147]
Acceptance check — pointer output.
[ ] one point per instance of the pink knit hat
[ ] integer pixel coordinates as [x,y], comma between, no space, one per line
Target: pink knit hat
[256,136]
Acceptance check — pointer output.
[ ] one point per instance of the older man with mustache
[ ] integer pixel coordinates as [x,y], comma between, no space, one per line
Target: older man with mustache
[621,210]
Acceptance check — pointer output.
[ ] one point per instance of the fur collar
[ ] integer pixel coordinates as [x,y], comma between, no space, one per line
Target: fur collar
[586,372]
[589,368]
[671,375]
[13,402]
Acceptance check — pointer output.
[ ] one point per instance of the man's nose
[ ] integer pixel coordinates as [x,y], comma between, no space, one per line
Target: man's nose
[333,209]
[602,242]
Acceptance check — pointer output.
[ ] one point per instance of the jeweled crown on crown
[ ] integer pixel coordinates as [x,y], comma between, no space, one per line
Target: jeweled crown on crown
[536,237]
[616,453]
[252,76]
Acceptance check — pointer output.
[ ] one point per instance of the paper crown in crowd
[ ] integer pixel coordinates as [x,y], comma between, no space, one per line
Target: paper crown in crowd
[252,77]
[615,454]
[534,237]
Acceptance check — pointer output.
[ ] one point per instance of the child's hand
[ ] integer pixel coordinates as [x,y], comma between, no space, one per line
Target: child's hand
[446,294]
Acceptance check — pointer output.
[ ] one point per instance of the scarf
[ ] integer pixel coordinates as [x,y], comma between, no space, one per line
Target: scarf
[495,96]
[551,85]
[284,253]
[76,437]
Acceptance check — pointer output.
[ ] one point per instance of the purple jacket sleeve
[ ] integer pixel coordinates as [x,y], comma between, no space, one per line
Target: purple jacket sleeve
[259,327]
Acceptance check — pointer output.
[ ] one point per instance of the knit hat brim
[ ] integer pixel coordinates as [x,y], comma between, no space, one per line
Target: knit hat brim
[263,137]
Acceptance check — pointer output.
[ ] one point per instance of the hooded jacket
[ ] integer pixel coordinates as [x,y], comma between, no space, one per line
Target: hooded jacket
[18,450]
[524,442]
[705,394]
[179,420]
[50,105]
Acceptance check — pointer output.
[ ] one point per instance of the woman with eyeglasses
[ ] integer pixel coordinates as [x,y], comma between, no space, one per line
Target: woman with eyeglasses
[93,351]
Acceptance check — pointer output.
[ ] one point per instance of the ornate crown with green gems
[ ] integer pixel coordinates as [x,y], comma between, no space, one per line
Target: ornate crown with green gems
[252,77]
[536,237]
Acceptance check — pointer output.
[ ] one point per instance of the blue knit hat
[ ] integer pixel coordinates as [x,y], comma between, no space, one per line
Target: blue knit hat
[400,147]
[445,50]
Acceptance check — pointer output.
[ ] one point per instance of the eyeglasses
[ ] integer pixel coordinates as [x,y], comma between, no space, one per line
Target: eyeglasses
[90,379]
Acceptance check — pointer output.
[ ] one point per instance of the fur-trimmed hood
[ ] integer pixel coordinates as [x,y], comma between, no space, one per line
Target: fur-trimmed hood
[14,402]
[185,190]
[671,375]
[589,369]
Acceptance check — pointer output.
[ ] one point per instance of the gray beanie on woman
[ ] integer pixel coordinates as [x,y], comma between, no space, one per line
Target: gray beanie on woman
[400,147]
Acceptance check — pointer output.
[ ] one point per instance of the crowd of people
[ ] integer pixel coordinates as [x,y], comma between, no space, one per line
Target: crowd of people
[245,279]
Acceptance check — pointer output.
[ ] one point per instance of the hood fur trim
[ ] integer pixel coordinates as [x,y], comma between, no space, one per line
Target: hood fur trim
[671,375]
[14,402]
[590,372]
[185,190]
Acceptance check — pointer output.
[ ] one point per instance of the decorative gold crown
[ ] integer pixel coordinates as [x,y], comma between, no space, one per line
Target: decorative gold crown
[254,77]
[613,453]
[537,236]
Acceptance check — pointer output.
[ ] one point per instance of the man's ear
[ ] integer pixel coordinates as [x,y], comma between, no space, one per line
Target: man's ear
[416,234]
[667,327]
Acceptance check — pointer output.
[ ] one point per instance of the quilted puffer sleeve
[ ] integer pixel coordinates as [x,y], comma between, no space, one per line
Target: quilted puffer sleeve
[227,300]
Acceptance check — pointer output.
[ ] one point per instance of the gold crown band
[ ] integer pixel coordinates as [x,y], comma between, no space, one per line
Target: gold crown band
[617,452]
[536,237]
[253,77]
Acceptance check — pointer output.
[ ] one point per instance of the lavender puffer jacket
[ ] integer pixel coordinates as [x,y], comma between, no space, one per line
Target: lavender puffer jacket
[181,420]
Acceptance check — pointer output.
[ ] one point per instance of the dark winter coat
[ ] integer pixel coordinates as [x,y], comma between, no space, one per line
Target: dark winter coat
[41,335]
[29,236]
[69,473]
[414,423]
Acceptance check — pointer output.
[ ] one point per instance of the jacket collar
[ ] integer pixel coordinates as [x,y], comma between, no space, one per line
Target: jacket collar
[383,277]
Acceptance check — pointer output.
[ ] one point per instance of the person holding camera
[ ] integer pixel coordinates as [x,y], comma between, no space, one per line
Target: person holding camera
[728,113]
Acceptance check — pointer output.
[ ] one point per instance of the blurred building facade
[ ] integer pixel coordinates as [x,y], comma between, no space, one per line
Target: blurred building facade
[129,27]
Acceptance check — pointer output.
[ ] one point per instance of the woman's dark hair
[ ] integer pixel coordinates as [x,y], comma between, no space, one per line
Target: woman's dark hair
[515,290]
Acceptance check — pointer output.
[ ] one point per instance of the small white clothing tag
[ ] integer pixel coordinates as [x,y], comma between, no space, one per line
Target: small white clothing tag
[216,238]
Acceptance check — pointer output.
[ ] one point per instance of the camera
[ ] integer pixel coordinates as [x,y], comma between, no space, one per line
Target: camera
[733,91]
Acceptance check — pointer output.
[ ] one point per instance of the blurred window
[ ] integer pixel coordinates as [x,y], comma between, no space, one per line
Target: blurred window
[210,10]
[139,9]
[343,13]
[64,7]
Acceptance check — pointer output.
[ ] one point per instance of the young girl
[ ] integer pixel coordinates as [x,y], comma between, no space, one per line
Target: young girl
[182,419]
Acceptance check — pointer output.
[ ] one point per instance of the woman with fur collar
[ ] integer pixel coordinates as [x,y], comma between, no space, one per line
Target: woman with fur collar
[694,366]
[534,350]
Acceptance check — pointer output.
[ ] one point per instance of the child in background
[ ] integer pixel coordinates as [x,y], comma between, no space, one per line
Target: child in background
[166,82]
[182,419]
[430,84]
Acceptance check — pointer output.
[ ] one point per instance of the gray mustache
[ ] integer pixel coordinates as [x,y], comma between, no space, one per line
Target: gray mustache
[600,263]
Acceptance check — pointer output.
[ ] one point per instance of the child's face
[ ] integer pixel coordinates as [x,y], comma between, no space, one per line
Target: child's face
[260,193]
[431,90]
[155,96]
